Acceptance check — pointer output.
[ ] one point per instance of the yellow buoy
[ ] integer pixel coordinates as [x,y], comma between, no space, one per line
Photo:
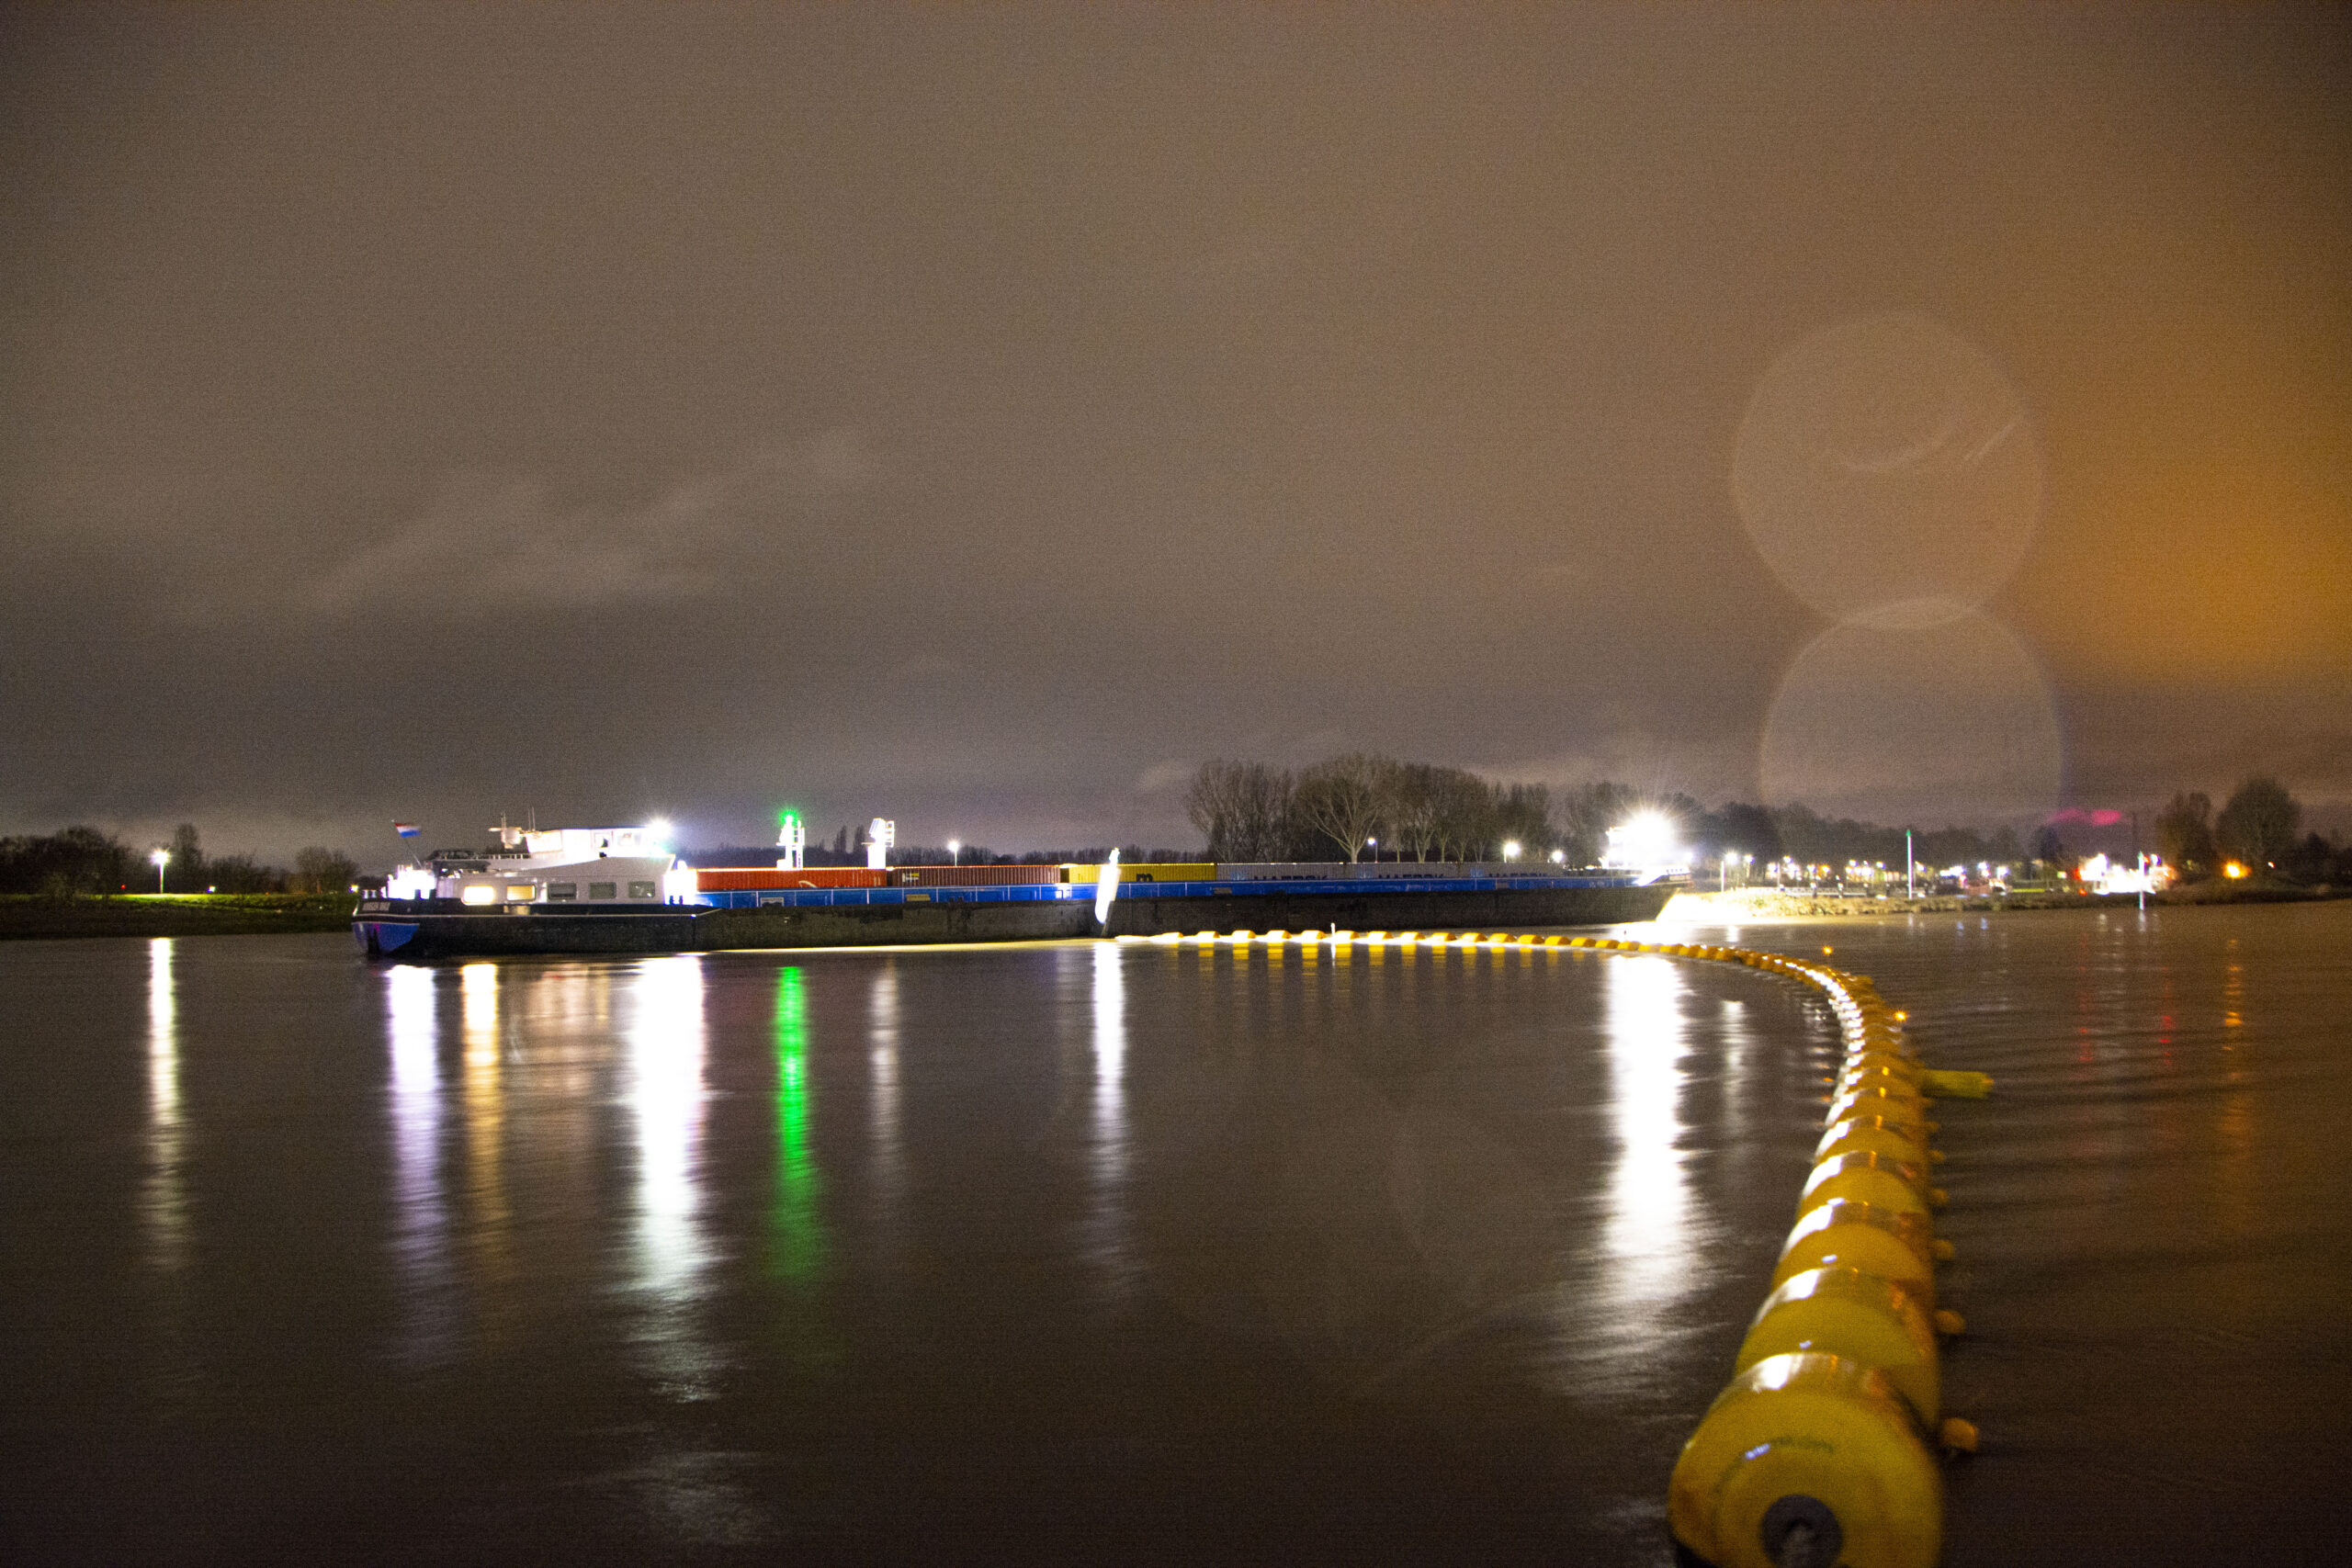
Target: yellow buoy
[1841,1311]
[1858,1138]
[1906,1127]
[1879,1101]
[1814,1443]
[1890,1243]
[1830,1166]
[1849,1176]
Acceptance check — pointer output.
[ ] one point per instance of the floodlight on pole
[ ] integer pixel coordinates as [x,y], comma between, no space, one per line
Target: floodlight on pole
[162,859]
[955,851]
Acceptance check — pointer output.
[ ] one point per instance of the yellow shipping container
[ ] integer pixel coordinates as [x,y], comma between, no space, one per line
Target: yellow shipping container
[1147,871]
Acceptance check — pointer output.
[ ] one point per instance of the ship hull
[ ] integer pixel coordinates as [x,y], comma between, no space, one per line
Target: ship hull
[406,929]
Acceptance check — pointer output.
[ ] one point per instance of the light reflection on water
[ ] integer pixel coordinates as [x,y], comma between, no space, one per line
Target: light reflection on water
[1108,1243]
[1644,1238]
[164,1200]
[888,1159]
[489,1224]
[420,1220]
[664,1043]
[798,1226]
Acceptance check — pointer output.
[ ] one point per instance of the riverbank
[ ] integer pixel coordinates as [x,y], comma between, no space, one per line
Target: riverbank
[1770,903]
[176,914]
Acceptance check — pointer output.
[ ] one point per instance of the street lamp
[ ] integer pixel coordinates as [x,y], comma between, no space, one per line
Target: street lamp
[955,851]
[1510,849]
[162,859]
[1374,845]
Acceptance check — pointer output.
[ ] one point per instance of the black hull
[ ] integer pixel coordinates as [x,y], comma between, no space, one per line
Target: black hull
[673,930]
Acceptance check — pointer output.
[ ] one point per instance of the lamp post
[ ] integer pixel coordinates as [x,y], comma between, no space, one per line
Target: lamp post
[1374,845]
[162,859]
[954,852]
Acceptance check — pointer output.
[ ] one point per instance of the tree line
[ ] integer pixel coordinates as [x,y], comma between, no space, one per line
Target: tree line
[82,862]
[2257,827]
[1360,805]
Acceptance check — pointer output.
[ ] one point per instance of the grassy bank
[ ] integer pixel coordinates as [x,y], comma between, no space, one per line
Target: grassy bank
[191,914]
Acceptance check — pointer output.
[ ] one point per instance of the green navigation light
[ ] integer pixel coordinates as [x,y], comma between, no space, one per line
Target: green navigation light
[799,1229]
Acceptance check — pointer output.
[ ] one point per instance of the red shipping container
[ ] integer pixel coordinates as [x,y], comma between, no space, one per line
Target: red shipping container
[974,875]
[758,878]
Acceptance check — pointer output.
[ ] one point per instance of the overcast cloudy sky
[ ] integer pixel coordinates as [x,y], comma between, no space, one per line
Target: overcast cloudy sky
[979,416]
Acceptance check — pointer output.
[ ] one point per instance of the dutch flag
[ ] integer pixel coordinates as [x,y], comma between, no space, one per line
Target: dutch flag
[406,830]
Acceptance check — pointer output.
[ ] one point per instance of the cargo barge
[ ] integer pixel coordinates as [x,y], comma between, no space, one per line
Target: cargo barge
[616,891]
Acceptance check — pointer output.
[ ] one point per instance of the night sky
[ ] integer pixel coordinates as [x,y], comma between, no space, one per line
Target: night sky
[980,416]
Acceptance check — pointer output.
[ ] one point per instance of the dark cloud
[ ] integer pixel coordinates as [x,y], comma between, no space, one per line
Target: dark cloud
[978,416]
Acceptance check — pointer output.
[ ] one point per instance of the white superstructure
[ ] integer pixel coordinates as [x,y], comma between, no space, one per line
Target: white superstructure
[557,866]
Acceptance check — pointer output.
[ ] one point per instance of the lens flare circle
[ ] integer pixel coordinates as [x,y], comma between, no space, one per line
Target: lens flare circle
[1888,472]
[1951,723]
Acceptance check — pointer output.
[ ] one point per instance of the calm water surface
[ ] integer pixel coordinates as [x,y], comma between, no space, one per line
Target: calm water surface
[1090,1253]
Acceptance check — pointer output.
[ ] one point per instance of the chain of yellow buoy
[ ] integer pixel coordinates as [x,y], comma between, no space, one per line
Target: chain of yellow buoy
[1820,1453]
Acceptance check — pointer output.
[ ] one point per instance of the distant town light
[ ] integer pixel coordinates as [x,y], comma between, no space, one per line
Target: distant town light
[2234,870]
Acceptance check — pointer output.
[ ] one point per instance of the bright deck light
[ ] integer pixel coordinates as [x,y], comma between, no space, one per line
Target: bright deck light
[1646,844]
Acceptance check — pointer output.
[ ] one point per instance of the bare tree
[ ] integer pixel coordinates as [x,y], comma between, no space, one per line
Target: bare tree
[2185,834]
[318,870]
[1242,808]
[1586,815]
[2259,822]
[1410,802]
[1339,800]
[1522,814]
[187,866]
[1464,816]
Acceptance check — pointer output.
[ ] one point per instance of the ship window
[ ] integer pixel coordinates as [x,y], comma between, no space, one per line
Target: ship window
[520,892]
[600,890]
[643,890]
[561,891]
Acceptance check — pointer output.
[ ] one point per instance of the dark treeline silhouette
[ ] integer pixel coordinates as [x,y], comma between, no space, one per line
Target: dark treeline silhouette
[1358,806]
[81,862]
[2256,829]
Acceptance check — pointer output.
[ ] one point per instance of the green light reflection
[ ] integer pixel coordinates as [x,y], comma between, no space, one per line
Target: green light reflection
[797,1228]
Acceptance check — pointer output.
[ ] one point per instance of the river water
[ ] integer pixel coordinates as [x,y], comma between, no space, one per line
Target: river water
[1097,1253]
